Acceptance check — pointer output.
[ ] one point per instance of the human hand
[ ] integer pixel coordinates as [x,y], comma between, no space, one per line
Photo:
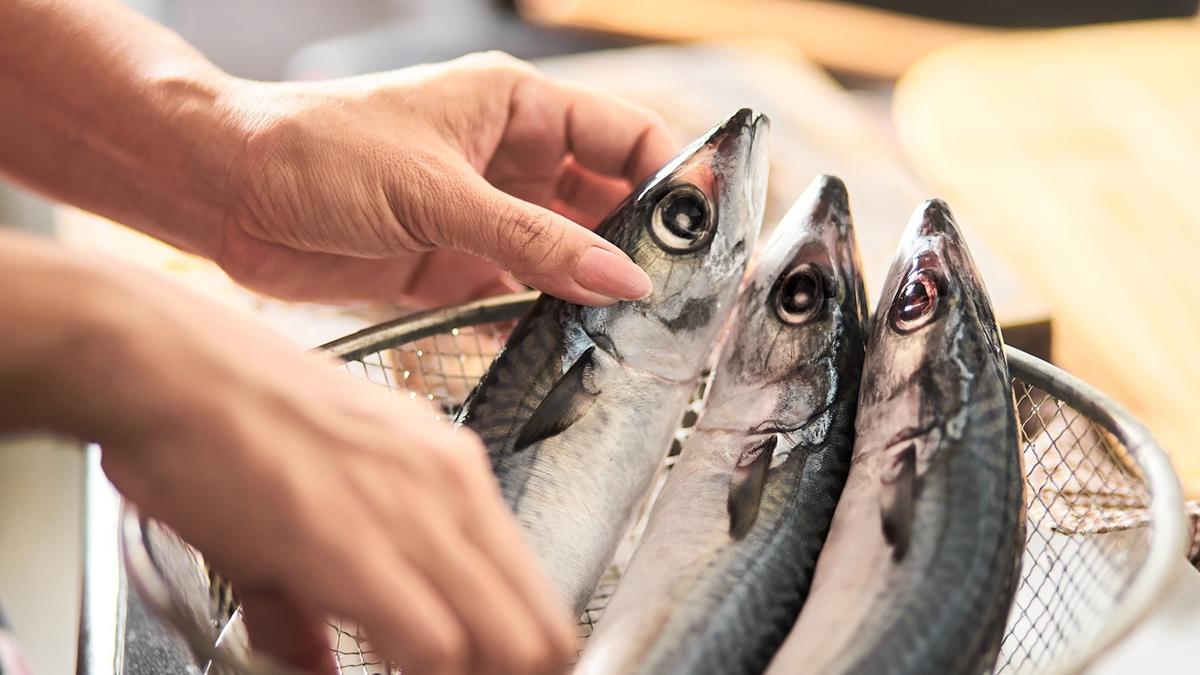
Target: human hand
[396,186]
[314,494]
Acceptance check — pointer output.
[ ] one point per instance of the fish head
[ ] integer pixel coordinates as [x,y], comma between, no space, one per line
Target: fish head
[799,334]
[691,227]
[933,333]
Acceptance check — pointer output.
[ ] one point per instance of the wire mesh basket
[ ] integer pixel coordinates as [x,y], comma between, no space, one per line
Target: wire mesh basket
[1105,518]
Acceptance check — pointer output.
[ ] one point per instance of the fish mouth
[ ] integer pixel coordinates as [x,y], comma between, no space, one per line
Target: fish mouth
[742,134]
[742,139]
[745,119]
[933,229]
[831,222]
[935,219]
[820,214]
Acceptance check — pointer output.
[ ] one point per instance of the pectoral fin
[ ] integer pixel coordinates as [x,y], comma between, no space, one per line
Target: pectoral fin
[569,399]
[746,486]
[896,501]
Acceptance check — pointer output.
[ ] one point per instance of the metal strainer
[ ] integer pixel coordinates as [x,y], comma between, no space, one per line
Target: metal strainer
[1105,520]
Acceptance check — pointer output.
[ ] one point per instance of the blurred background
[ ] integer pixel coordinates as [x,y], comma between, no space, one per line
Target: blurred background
[1065,135]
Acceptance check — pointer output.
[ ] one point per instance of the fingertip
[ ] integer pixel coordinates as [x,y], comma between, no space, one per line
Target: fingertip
[613,274]
[573,292]
[562,258]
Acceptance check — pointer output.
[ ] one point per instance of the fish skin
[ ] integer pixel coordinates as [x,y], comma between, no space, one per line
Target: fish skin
[696,598]
[610,423]
[937,458]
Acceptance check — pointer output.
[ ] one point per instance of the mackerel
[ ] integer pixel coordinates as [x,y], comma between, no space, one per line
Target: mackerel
[923,558]
[579,410]
[724,564]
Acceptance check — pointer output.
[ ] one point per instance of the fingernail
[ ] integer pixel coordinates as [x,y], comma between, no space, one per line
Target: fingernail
[607,273]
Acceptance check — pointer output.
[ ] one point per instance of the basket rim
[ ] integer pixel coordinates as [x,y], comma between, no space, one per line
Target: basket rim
[1169,528]
[430,322]
[1168,531]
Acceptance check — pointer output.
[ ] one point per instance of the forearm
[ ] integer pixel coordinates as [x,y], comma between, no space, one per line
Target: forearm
[116,114]
[64,341]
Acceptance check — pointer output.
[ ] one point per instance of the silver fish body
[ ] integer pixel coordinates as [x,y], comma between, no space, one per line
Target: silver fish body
[579,409]
[723,566]
[923,558]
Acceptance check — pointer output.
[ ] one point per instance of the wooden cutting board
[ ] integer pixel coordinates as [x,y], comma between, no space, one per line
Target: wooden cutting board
[1076,154]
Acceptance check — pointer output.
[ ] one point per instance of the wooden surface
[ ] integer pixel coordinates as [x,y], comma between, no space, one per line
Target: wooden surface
[845,37]
[1076,154]
[816,127]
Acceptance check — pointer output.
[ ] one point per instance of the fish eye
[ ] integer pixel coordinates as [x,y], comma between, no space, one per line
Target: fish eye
[682,220]
[800,294]
[917,302]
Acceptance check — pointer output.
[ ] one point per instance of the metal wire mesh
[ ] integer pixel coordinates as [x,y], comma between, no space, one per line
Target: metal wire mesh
[1086,534]
[1081,545]
[1088,529]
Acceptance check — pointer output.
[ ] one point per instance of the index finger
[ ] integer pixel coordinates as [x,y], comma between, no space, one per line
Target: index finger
[612,136]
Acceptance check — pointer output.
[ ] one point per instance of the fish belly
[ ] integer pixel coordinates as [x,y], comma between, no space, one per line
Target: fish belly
[575,493]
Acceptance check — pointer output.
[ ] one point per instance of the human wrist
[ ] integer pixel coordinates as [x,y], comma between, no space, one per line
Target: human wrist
[188,158]
[81,364]
[142,368]
[52,364]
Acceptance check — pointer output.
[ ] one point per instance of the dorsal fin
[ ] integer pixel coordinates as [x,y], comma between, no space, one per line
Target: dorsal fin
[746,486]
[896,501]
[568,400]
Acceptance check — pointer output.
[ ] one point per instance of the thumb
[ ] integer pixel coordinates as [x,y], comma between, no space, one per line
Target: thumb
[538,246]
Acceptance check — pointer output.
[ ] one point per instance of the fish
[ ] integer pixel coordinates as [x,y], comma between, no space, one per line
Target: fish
[579,409]
[723,566]
[923,559]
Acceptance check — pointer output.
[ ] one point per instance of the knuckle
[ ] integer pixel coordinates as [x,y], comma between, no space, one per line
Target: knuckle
[462,469]
[447,648]
[538,657]
[500,61]
[515,658]
[651,116]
